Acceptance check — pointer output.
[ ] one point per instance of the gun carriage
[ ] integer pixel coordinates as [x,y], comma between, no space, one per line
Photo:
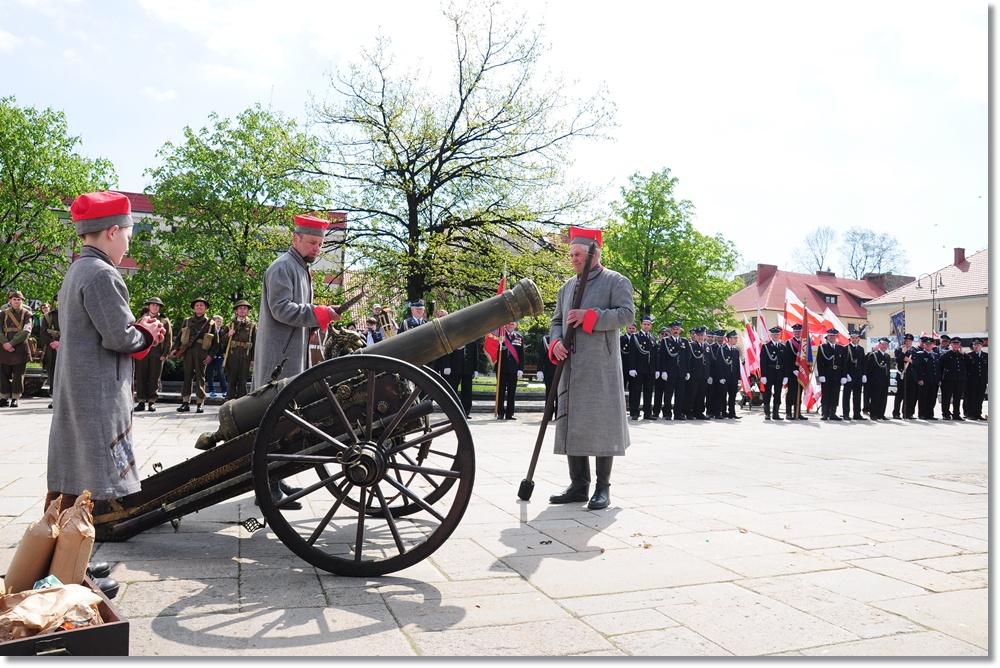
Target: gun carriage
[386,438]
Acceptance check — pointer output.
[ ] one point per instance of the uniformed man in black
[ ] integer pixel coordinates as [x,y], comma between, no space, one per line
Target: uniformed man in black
[906,384]
[641,365]
[416,317]
[660,376]
[954,377]
[677,372]
[471,352]
[625,342]
[511,370]
[698,372]
[774,373]
[830,368]
[978,376]
[926,373]
[730,377]
[713,400]
[793,390]
[854,374]
[876,380]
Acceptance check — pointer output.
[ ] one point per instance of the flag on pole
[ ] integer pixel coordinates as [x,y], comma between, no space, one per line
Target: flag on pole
[805,356]
[745,379]
[763,335]
[752,346]
[491,345]
[831,321]
[898,322]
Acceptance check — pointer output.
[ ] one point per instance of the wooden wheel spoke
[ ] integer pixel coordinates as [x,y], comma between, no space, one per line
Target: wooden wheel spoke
[314,429]
[310,489]
[343,491]
[400,414]
[359,541]
[425,471]
[429,436]
[339,411]
[416,499]
[369,405]
[390,520]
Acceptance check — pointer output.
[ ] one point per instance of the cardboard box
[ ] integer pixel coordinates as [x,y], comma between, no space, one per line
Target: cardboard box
[107,639]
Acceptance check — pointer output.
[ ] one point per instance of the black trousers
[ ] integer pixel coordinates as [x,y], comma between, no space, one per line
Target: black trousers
[696,397]
[951,396]
[678,386]
[641,385]
[831,396]
[907,393]
[547,377]
[927,399]
[876,398]
[772,395]
[732,388]
[465,393]
[973,403]
[661,390]
[12,380]
[793,397]
[852,397]
[508,390]
[579,470]
[715,400]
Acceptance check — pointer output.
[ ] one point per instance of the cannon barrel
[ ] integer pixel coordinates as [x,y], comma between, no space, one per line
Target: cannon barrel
[419,346]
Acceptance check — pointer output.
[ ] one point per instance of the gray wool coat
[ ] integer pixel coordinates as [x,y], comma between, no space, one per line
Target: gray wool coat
[286,316]
[90,440]
[591,418]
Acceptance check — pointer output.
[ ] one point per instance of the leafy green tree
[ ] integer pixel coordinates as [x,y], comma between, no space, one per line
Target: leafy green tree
[677,271]
[226,194]
[41,169]
[434,177]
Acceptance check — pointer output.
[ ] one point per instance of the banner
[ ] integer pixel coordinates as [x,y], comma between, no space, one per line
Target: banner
[897,325]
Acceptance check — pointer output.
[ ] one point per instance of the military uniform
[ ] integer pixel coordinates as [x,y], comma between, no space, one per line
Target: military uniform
[471,353]
[954,376]
[854,373]
[793,395]
[926,374]
[774,372]
[877,367]
[830,367]
[149,369]
[412,320]
[976,380]
[673,359]
[698,381]
[624,342]
[660,376]
[906,384]
[729,371]
[642,363]
[511,366]
[47,335]
[15,327]
[238,360]
[199,339]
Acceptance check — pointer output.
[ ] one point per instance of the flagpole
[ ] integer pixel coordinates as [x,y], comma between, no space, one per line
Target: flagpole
[798,386]
[501,332]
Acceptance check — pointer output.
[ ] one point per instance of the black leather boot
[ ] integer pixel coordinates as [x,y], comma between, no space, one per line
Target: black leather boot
[575,493]
[184,408]
[278,496]
[600,499]
[98,569]
[141,406]
[108,586]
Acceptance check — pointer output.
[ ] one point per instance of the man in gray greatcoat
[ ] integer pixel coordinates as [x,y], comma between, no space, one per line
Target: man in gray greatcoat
[90,440]
[287,314]
[591,419]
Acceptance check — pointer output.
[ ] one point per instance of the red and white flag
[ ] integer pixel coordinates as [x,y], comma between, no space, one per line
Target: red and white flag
[491,344]
[752,344]
[745,377]
[831,321]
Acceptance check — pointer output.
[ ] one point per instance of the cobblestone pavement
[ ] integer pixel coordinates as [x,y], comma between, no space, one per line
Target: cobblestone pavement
[744,538]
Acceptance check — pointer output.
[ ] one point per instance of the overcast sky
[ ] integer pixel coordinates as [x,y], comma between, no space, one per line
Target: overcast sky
[776,117]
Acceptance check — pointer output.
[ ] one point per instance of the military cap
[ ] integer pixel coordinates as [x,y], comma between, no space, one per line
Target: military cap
[855,333]
[93,212]
[647,318]
[419,303]
[202,300]
[731,334]
[884,339]
[926,339]
[311,225]
[664,330]
[775,330]
[153,300]
[957,340]
[831,332]
[945,336]
[697,330]
[240,303]
[979,341]
[908,337]
[796,328]
[375,306]
[15,293]
[676,323]
[581,235]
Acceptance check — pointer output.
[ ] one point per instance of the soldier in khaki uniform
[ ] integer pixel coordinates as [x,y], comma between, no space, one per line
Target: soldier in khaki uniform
[239,350]
[48,341]
[149,369]
[15,326]
[198,344]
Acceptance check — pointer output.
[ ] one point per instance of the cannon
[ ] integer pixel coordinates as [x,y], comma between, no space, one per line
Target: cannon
[385,436]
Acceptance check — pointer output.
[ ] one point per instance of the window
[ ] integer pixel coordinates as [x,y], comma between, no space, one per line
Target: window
[942,321]
[830,299]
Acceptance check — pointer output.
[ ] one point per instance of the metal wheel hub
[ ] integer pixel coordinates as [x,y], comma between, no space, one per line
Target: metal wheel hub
[364,464]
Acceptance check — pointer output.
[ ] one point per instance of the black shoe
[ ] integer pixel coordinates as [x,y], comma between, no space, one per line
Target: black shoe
[776,416]
[667,417]
[107,586]
[278,494]
[288,489]
[946,416]
[510,417]
[575,493]
[651,418]
[601,498]
[958,418]
[734,416]
[929,417]
[860,417]
[836,418]
[767,416]
[846,417]
[151,408]
[802,417]
[50,404]
[98,569]
[824,418]
[200,409]
[141,406]
[184,408]
[700,417]
[13,403]
[680,417]
[4,403]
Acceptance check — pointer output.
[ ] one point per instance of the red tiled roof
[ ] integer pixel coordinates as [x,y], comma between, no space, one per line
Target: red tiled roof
[140,202]
[810,288]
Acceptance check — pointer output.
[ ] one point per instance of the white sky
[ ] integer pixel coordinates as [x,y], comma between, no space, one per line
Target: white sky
[776,117]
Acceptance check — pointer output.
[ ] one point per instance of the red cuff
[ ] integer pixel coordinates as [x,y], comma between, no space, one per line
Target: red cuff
[589,320]
[150,339]
[551,356]
[141,354]
[323,315]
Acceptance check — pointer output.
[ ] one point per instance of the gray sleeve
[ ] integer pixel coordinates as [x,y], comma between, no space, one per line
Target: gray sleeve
[105,299]
[280,284]
[556,328]
[621,312]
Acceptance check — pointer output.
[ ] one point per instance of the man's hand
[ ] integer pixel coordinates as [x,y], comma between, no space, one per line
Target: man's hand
[447,372]
[822,379]
[575,317]
[849,379]
[709,380]
[163,358]
[920,382]
[762,380]
[559,351]
[722,380]
[231,332]
[687,376]
[519,374]
[656,375]
[205,362]
[475,374]
[843,381]
[54,345]
[632,373]
[864,379]
[9,348]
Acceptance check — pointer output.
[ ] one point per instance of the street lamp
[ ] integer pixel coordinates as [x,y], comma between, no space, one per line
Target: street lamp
[936,283]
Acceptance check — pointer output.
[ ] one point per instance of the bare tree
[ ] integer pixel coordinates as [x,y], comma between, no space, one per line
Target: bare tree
[430,176]
[812,256]
[865,252]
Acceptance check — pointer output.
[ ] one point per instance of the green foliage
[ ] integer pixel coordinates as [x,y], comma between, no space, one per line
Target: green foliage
[227,194]
[40,170]
[677,271]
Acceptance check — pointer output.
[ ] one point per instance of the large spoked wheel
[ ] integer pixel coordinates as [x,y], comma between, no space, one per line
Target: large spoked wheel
[391,444]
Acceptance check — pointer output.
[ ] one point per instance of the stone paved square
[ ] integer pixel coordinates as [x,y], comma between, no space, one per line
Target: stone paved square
[749,538]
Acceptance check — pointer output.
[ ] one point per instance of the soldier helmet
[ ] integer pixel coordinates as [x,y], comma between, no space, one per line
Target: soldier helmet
[202,300]
[664,330]
[153,300]
[15,294]
[240,303]
[731,334]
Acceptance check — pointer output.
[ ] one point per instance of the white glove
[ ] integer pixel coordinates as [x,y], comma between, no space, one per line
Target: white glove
[687,376]
[762,381]
[849,379]
[722,380]
[822,379]
[656,375]
[843,381]
[447,372]
[864,379]
[632,373]
[475,374]
[519,374]
[709,380]
[663,375]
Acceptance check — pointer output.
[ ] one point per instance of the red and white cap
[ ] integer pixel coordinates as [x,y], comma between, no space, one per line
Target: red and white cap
[581,235]
[311,225]
[93,212]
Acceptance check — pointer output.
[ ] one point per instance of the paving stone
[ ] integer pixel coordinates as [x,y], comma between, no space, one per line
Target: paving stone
[782,563]
[139,570]
[861,585]
[170,546]
[582,606]
[926,644]
[731,544]
[586,573]
[818,542]
[668,642]
[464,559]
[752,624]
[967,543]
[564,637]
[980,578]
[421,572]
[281,589]
[416,614]
[957,563]
[456,589]
[585,539]
[632,621]
[961,614]
[177,597]
[14,506]
[507,544]
[913,573]
[916,548]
